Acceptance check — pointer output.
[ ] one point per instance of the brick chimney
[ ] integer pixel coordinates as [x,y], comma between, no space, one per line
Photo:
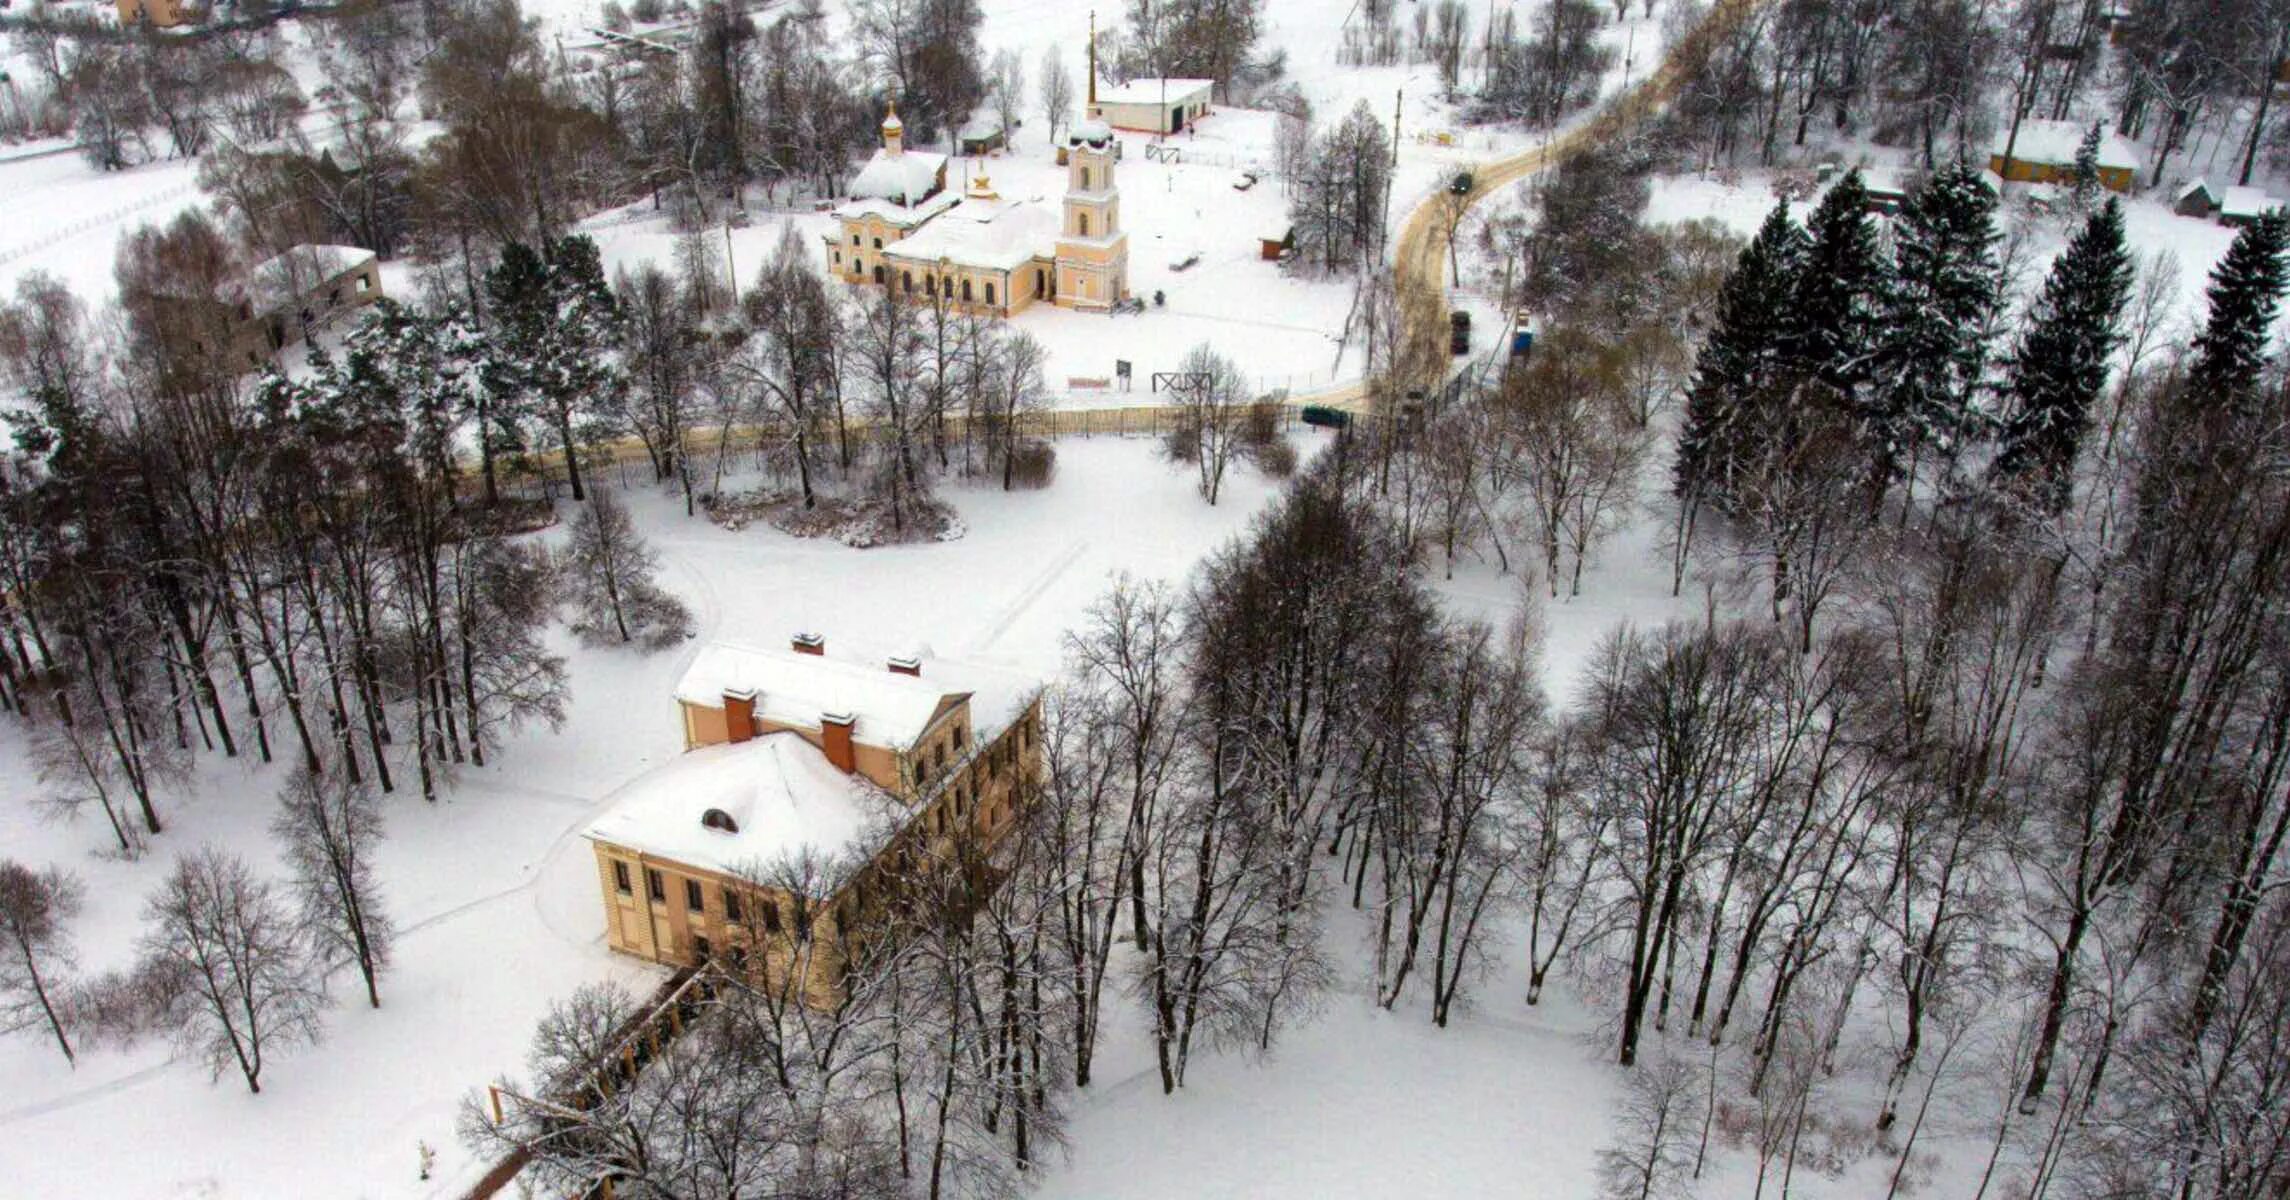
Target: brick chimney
[835,741]
[901,664]
[809,643]
[739,714]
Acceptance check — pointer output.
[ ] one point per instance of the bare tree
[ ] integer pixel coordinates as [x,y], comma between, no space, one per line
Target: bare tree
[232,982]
[36,957]
[1575,448]
[1006,91]
[796,327]
[1649,1158]
[608,573]
[330,827]
[1212,411]
[1056,91]
[705,1116]
[1677,717]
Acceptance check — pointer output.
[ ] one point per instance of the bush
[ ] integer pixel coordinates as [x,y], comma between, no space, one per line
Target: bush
[1263,423]
[1183,444]
[1033,464]
[1276,458]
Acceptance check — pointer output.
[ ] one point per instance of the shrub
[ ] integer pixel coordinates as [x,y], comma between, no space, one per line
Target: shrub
[1033,464]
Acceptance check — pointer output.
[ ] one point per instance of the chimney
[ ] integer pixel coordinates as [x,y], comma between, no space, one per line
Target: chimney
[809,643]
[901,664]
[739,714]
[835,740]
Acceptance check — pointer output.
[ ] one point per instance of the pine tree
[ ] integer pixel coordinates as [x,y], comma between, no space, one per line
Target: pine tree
[2245,294]
[1741,360]
[1833,323]
[2059,367]
[2085,188]
[1936,316]
[556,339]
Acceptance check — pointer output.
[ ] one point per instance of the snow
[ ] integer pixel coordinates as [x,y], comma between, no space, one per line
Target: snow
[905,177]
[1739,201]
[891,709]
[64,216]
[901,216]
[282,279]
[1154,91]
[494,888]
[993,234]
[2046,141]
[779,790]
[2246,203]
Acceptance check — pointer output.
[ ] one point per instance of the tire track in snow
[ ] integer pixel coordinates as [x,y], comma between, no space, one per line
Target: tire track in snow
[1025,599]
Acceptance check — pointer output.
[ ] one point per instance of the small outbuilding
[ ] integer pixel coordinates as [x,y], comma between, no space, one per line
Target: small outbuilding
[1883,191]
[2044,152]
[982,134]
[296,293]
[1275,242]
[1150,105]
[2197,199]
[2239,206]
[161,14]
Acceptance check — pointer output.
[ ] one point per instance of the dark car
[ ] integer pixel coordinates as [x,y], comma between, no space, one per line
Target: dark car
[1459,332]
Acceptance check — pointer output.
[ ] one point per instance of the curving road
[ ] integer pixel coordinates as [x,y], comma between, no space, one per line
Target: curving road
[1420,253]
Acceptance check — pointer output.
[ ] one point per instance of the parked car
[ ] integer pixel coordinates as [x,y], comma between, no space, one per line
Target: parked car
[1459,332]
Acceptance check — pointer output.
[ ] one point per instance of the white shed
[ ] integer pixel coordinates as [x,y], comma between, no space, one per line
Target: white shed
[1150,105]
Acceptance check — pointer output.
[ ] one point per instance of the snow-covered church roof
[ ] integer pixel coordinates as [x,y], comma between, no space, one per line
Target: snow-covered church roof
[992,234]
[906,177]
[2043,141]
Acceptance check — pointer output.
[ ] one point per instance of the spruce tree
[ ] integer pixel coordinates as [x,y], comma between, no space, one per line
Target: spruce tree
[1833,323]
[2245,294]
[2059,367]
[2086,177]
[1740,361]
[1936,314]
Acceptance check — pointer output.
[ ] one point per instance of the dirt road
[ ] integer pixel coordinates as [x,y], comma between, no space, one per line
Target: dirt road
[1419,257]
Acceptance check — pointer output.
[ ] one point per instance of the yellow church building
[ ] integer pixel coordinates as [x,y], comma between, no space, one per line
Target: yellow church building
[902,229]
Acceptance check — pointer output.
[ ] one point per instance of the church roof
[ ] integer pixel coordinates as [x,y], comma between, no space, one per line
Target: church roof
[904,178]
[996,235]
[901,216]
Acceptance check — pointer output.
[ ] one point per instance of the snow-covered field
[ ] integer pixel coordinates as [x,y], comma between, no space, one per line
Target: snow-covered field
[495,891]
[493,886]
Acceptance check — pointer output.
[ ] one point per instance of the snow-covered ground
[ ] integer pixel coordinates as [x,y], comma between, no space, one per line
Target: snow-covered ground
[493,886]
[1739,201]
[1281,328]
